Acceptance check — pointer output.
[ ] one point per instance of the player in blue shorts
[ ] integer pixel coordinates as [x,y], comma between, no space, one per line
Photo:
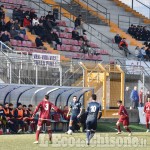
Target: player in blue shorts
[75,109]
[93,113]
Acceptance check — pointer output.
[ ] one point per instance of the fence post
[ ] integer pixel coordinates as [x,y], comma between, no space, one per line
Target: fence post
[132,4]
[143,86]
[10,73]
[36,75]
[19,77]
[60,70]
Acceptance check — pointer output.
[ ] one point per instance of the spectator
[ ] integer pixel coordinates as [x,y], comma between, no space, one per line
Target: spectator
[41,19]
[2,25]
[147,96]
[2,117]
[148,52]
[54,25]
[139,32]
[85,47]
[32,14]
[79,24]
[39,43]
[5,38]
[9,24]
[138,53]
[55,38]
[50,16]
[141,101]
[124,46]
[35,21]
[26,22]
[134,98]
[118,39]
[2,12]
[18,115]
[76,36]
[16,25]
[14,34]
[143,52]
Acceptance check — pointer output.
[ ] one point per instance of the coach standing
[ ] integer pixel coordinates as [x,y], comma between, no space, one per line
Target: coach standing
[134,98]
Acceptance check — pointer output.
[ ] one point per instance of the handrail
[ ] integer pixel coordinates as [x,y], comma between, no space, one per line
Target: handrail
[143,4]
[98,10]
[129,22]
[132,5]
[6,56]
[89,27]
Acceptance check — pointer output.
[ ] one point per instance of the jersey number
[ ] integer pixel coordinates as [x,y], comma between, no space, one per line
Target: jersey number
[46,106]
[93,108]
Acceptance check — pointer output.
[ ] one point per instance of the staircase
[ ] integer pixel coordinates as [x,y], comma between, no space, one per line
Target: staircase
[76,10]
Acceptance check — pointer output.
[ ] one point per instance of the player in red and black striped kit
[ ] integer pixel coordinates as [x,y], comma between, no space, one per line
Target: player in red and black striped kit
[123,118]
[45,107]
[147,112]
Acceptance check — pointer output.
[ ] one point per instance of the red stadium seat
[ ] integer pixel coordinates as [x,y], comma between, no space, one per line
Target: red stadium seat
[24,43]
[19,43]
[62,35]
[58,47]
[13,42]
[63,47]
[29,44]
[68,29]
[26,37]
[67,47]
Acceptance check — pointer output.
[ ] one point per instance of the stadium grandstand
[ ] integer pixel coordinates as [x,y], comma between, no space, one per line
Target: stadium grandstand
[67,48]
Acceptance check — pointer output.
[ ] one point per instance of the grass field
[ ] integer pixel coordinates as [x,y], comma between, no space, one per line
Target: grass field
[105,139]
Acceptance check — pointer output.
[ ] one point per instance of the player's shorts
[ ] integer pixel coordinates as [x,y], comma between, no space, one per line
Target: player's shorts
[42,121]
[91,124]
[147,118]
[124,121]
[74,119]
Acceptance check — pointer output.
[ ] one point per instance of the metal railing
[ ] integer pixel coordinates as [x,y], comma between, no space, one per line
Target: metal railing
[98,9]
[103,39]
[139,6]
[128,20]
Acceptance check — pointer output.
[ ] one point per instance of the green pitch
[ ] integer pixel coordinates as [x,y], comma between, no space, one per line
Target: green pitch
[105,139]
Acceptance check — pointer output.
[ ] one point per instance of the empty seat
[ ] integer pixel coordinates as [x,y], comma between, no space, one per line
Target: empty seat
[20,2]
[63,47]
[26,38]
[75,48]
[65,41]
[62,35]
[68,29]
[29,44]
[24,43]
[13,42]
[19,43]
[58,47]
[67,48]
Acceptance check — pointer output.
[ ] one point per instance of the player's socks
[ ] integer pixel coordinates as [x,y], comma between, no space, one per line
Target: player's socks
[128,130]
[147,125]
[88,133]
[91,135]
[50,135]
[37,135]
[70,128]
[119,129]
